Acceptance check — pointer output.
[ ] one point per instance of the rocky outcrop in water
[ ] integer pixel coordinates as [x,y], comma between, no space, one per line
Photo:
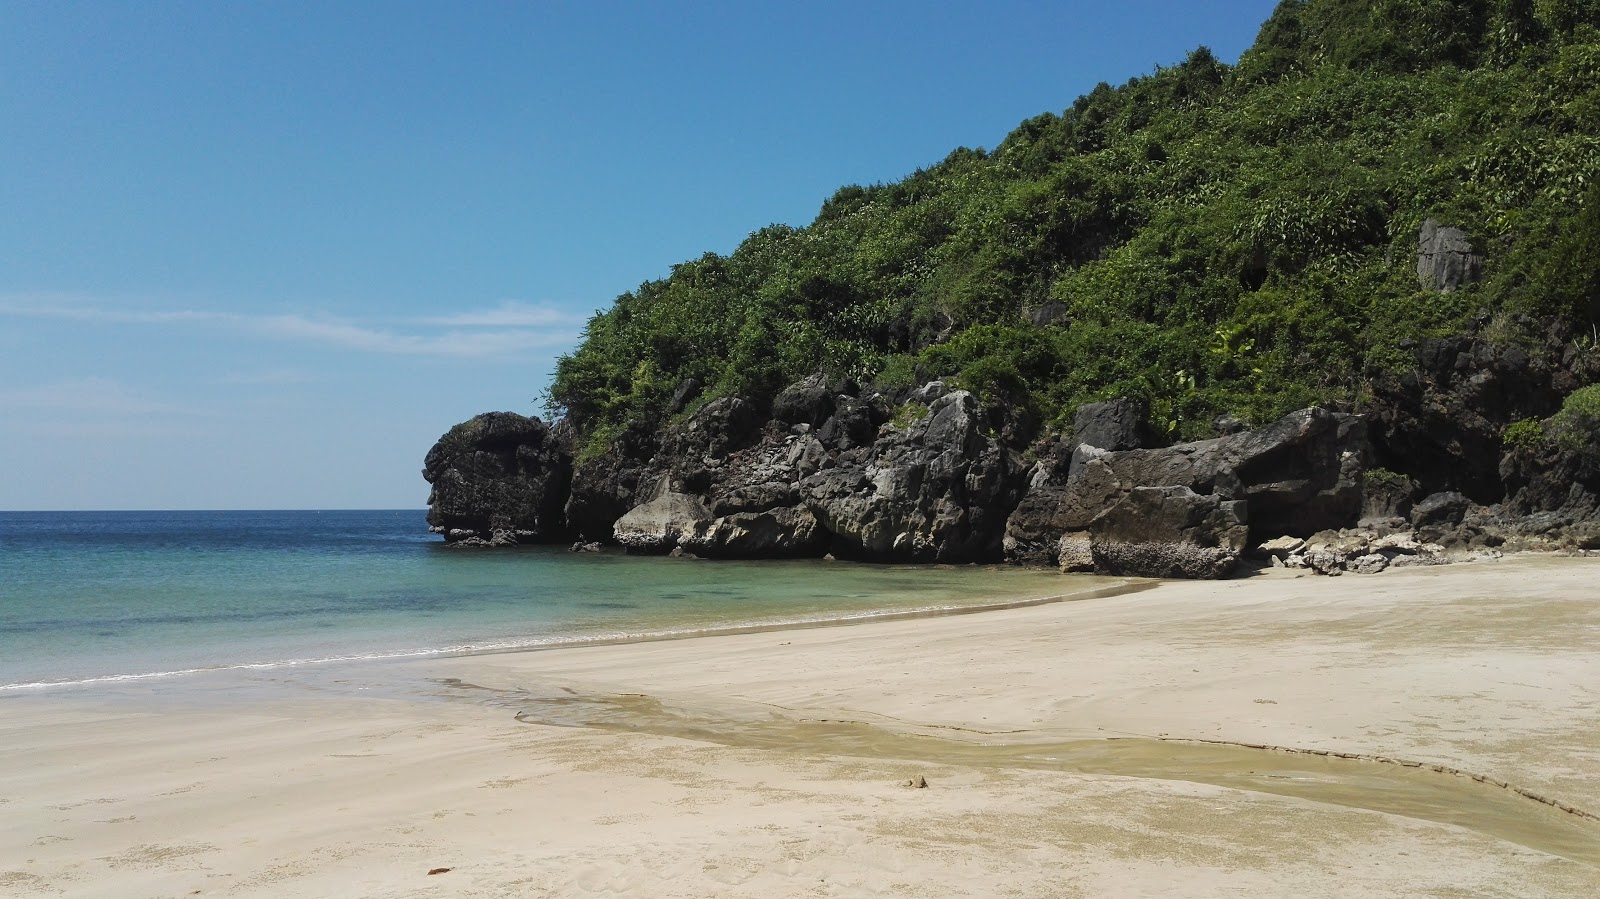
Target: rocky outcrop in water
[498,479]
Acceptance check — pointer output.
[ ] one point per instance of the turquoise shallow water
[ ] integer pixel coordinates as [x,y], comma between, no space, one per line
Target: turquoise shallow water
[109,597]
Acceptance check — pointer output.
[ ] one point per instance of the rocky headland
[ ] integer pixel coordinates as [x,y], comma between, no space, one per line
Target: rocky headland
[1422,473]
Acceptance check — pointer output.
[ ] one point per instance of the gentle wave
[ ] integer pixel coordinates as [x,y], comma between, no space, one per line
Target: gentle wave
[607,639]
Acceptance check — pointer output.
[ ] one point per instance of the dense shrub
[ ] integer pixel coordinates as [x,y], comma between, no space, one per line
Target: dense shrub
[1577,425]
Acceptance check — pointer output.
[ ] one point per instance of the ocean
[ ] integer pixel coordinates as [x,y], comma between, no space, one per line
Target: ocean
[92,598]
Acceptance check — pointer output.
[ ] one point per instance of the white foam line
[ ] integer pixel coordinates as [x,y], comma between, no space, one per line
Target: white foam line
[573,641]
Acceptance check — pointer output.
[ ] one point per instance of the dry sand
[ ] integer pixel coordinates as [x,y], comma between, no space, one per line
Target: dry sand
[774,764]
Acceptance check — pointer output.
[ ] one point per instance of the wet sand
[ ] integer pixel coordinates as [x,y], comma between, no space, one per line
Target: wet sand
[1428,731]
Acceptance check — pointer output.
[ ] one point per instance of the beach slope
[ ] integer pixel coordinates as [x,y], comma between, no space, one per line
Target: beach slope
[1429,731]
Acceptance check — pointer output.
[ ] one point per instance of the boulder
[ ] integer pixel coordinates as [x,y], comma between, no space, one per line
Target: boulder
[498,479]
[787,532]
[1385,499]
[1439,514]
[1282,547]
[808,402]
[1169,532]
[1047,314]
[1075,552]
[1117,424]
[1324,561]
[662,524]
[687,391]
[1300,475]
[1371,563]
[1446,260]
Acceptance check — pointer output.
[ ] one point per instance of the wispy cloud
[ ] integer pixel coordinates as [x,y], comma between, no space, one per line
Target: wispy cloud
[459,343]
[267,378]
[501,331]
[97,396]
[100,315]
[508,315]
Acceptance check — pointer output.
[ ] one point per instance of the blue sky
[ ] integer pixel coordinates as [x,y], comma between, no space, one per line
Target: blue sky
[260,255]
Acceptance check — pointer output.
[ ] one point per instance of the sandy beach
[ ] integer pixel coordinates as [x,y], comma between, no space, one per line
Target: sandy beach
[1421,732]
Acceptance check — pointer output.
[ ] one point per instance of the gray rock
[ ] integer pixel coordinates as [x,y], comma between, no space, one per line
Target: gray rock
[662,524]
[1169,532]
[1446,260]
[790,531]
[1399,544]
[807,402]
[687,391]
[1325,561]
[1117,424]
[928,393]
[1440,511]
[1282,547]
[1223,425]
[1346,543]
[1417,561]
[1075,552]
[1299,475]
[1047,313]
[1385,498]
[938,489]
[1371,563]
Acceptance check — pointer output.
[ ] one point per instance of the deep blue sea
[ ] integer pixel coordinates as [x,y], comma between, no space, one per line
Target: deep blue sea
[114,597]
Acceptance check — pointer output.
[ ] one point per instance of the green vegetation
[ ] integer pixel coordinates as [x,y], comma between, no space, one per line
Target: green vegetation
[1577,425]
[1216,239]
[1385,478]
[908,415]
[1526,433]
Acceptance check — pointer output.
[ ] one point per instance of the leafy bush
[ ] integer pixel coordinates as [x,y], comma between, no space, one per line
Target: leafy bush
[1523,434]
[1577,425]
[1383,477]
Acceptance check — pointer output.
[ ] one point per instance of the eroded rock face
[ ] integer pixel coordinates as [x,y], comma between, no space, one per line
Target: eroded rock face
[922,478]
[1169,532]
[1034,529]
[938,489]
[1552,497]
[1117,424]
[662,524]
[1299,475]
[822,470]
[498,479]
[1441,423]
[1446,260]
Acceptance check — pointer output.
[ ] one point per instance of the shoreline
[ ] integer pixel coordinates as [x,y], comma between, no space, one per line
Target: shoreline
[1115,587]
[774,763]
